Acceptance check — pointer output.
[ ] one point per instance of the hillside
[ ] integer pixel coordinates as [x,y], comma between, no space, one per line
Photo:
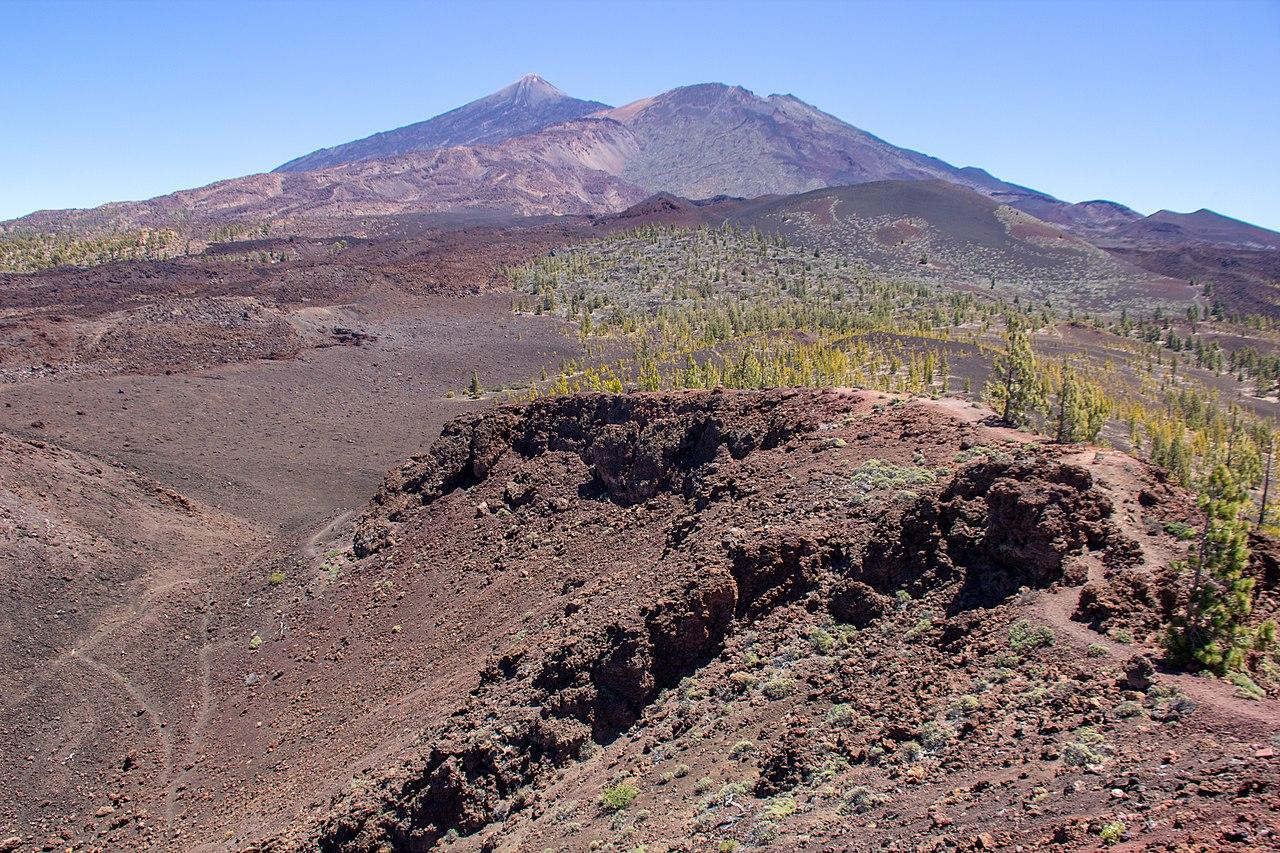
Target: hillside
[712,139]
[780,618]
[1165,227]
[527,105]
[787,619]
[937,230]
[681,142]
[529,149]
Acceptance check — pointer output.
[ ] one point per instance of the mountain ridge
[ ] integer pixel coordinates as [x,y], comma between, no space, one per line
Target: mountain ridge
[530,149]
[529,104]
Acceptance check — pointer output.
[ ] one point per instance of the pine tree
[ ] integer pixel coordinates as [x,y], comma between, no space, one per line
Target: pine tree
[1266,477]
[1081,411]
[474,388]
[1211,633]
[1014,390]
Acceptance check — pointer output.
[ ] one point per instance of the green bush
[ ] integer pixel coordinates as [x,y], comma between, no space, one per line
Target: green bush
[1023,637]
[876,474]
[1112,832]
[779,808]
[779,688]
[821,641]
[616,798]
[860,799]
[840,715]
[1180,530]
[1246,687]
[1129,709]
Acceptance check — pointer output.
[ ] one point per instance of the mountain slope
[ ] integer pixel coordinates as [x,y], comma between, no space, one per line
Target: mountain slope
[557,155]
[684,616]
[543,178]
[712,139]
[1203,226]
[527,105]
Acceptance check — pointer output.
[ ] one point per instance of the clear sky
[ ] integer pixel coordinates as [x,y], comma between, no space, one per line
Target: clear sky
[1171,104]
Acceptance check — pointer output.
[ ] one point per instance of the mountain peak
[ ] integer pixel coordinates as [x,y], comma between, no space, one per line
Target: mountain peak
[531,89]
[525,106]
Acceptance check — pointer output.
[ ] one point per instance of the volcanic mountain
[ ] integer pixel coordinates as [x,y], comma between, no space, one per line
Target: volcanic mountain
[527,105]
[530,149]
[711,139]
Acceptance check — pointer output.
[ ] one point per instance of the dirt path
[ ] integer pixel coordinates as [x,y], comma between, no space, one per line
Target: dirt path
[163,736]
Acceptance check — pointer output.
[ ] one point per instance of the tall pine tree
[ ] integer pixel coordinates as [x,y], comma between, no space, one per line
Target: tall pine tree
[1211,633]
[1081,411]
[1014,390]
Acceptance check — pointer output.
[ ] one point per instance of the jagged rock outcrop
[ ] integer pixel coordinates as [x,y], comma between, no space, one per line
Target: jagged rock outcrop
[734,544]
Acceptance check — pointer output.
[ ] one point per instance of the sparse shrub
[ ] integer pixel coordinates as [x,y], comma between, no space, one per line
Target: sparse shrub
[922,625]
[860,799]
[1063,689]
[275,578]
[1087,750]
[741,748]
[779,688]
[1023,637]
[1076,754]
[1128,709]
[703,785]
[840,715]
[1097,650]
[728,846]
[690,688]
[743,681]
[876,474]
[935,736]
[1001,675]
[965,705]
[1121,635]
[729,791]
[616,798]
[821,641]
[1168,704]
[255,641]
[779,808]
[1246,687]
[766,831]
[1112,832]
[1180,530]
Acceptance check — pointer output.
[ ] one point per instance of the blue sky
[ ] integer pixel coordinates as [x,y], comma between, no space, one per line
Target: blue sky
[1170,104]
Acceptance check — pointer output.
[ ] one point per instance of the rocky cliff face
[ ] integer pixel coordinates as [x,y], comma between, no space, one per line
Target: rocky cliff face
[752,614]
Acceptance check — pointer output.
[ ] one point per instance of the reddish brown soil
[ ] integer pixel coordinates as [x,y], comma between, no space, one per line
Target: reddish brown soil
[120,590]
[1244,281]
[892,235]
[556,598]
[550,599]
[220,308]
